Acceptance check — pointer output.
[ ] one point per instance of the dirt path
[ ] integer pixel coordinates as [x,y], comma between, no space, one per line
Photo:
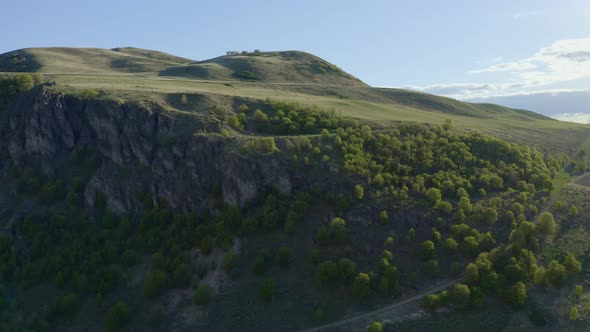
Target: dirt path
[389,310]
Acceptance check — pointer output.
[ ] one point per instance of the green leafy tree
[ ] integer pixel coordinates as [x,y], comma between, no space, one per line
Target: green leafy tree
[284,257]
[572,264]
[202,295]
[555,273]
[116,317]
[460,295]
[547,223]
[517,295]
[267,290]
[361,287]
[383,217]
[434,195]
[359,191]
[375,327]
[427,250]
[574,313]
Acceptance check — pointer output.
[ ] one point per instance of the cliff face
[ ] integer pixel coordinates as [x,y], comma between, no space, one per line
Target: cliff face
[140,149]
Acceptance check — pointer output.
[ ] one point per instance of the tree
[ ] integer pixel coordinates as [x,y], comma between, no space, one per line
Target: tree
[183,100]
[229,262]
[555,273]
[572,264]
[578,290]
[539,277]
[243,108]
[469,246]
[338,230]
[517,295]
[346,269]
[431,301]
[202,295]
[327,272]
[460,295]
[284,256]
[375,327]
[411,234]
[359,192]
[383,217]
[574,313]
[260,116]
[155,283]
[547,223]
[434,195]
[472,274]
[267,290]
[450,245]
[361,287]
[427,250]
[116,317]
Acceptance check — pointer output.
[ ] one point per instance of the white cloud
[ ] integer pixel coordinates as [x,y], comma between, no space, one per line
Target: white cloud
[564,60]
[573,117]
[465,90]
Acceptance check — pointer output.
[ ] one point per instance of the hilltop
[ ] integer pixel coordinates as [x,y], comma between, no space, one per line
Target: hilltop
[290,76]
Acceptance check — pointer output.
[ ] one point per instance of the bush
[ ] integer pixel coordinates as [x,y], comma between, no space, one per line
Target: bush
[547,223]
[361,287]
[116,317]
[284,257]
[460,295]
[427,250]
[86,94]
[154,284]
[267,291]
[517,295]
[572,264]
[202,295]
[375,327]
[359,192]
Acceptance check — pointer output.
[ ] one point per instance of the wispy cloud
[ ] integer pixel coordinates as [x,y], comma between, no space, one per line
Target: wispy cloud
[573,117]
[562,61]
[525,15]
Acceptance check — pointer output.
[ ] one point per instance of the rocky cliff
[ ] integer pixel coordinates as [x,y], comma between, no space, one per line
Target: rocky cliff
[141,150]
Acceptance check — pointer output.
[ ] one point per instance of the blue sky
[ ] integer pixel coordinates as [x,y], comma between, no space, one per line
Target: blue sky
[460,48]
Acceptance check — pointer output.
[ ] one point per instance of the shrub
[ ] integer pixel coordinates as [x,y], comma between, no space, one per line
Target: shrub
[202,295]
[116,317]
[572,264]
[87,94]
[547,223]
[359,191]
[284,256]
[517,295]
[460,295]
[427,250]
[375,327]
[154,284]
[267,291]
[361,287]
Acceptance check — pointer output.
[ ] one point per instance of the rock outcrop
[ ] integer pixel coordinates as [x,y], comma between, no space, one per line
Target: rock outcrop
[141,150]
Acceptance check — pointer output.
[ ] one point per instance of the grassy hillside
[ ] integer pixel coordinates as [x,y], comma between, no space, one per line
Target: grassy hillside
[156,55]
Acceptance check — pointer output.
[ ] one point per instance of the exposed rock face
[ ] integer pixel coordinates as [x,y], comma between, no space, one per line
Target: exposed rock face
[141,150]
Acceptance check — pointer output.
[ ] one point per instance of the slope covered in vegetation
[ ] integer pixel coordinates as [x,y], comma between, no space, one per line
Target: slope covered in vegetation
[222,211]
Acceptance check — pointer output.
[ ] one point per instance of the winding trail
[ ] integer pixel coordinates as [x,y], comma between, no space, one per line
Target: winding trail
[390,309]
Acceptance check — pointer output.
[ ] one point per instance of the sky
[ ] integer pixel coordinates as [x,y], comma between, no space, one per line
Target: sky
[463,49]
